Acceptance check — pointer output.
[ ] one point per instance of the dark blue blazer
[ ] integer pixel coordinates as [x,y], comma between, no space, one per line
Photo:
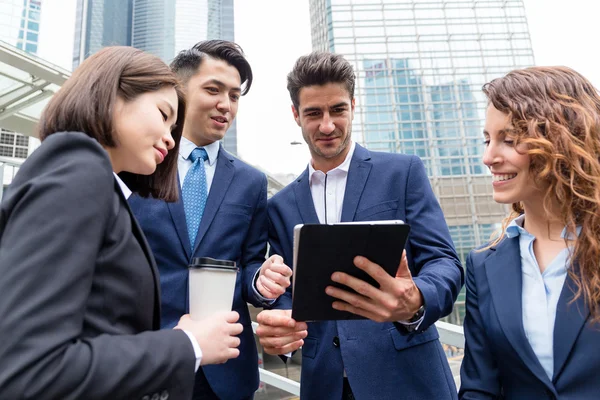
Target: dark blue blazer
[381,362]
[499,362]
[233,227]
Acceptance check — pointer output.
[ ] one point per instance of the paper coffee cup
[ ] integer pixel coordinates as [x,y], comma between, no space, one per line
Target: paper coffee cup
[211,286]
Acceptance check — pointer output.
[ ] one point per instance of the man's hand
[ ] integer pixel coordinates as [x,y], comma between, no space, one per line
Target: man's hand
[274,278]
[397,298]
[279,333]
[216,336]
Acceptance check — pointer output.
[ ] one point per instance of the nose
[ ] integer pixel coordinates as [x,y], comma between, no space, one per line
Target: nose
[224,104]
[169,141]
[491,155]
[327,126]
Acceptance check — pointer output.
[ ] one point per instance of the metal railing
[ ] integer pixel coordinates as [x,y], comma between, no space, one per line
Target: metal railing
[450,334]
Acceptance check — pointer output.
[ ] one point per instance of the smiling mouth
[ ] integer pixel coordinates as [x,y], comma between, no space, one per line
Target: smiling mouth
[503,177]
[221,120]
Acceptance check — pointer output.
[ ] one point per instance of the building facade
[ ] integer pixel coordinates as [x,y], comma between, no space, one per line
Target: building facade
[100,23]
[420,66]
[165,27]
[19,27]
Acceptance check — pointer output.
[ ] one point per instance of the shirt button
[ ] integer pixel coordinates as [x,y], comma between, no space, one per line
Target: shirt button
[336,341]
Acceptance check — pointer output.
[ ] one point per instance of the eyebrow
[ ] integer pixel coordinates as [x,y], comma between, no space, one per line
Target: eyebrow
[222,84]
[338,105]
[501,131]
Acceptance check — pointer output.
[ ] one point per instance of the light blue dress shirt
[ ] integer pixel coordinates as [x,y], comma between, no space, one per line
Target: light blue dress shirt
[186,147]
[540,293]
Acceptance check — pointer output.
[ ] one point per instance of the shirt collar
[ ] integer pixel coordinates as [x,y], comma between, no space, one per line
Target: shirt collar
[126,191]
[186,147]
[515,228]
[344,166]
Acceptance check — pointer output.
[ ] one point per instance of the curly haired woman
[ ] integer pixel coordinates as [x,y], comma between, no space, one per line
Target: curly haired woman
[532,328]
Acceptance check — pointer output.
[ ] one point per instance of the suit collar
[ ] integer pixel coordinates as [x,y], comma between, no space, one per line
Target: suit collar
[304,200]
[360,167]
[570,320]
[503,271]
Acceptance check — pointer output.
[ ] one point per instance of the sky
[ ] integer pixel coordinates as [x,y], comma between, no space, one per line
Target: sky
[274,33]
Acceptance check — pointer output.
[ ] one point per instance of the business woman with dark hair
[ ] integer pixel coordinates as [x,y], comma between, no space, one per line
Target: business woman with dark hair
[79,294]
[532,327]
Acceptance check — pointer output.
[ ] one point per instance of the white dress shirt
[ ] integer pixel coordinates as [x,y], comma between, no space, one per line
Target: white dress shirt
[540,294]
[197,351]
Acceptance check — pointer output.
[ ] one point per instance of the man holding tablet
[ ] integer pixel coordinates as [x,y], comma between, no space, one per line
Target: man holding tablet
[395,352]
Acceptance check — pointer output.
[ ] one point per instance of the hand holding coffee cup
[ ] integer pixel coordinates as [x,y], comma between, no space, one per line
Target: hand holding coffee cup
[216,335]
[274,277]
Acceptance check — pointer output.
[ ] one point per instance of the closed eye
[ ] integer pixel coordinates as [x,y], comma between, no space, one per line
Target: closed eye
[165,117]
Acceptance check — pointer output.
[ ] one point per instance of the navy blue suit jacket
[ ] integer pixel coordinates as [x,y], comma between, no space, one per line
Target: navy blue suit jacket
[499,362]
[233,227]
[381,362]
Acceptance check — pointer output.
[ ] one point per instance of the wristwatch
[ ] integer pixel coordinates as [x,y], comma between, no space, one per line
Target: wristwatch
[418,315]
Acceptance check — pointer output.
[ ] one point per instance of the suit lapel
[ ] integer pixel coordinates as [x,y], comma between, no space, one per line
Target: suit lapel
[179,221]
[503,270]
[139,235]
[304,199]
[224,173]
[358,173]
[570,320]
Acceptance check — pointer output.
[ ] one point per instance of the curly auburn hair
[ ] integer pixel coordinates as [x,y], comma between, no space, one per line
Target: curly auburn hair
[555,111]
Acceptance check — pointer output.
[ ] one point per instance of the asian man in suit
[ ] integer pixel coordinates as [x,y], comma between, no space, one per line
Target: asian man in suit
[395,352]
[222,213]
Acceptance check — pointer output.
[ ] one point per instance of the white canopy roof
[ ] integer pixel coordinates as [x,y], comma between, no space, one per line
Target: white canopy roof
[26,84]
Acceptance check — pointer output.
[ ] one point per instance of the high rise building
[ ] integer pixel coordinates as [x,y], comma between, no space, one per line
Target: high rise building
[19,27]
[420,67]
[100,23]
[165,27]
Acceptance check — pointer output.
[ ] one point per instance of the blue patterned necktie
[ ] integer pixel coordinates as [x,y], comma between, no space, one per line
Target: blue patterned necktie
[195,192]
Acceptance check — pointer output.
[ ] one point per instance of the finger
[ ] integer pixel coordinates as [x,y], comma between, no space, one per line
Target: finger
[235,329]
[281,269]
[273,290]
[277,278]
[234,342]
[232,353]
[360,286]
[353,299]
[342,306]
[281,341]
[266,331]
[374,270]
[289,348]
[276,259]
[232,317]
[276,318]
[403,270]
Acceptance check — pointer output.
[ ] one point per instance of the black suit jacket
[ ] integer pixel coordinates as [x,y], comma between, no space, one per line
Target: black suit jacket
[79,289]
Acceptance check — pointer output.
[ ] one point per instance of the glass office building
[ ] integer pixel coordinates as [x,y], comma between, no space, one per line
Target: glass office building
[100,23]
[165,27]
[420,66]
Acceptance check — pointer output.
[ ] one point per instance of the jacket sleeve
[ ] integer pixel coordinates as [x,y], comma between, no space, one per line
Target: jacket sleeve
[52,224]
[439,274]
[255,248]
[479,372]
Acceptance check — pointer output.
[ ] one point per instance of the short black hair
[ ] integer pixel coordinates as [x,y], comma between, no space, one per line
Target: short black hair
[187,62]
[320,68]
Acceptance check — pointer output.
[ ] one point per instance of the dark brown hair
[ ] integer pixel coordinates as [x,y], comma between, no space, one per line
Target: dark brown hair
[555,112]
[85,103]
[187,62]
[319,68]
